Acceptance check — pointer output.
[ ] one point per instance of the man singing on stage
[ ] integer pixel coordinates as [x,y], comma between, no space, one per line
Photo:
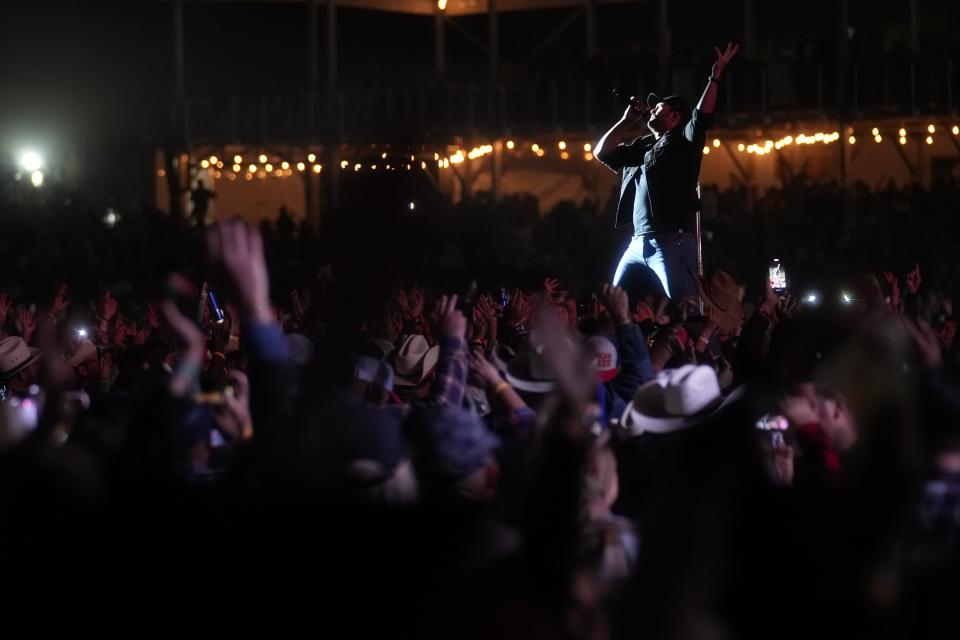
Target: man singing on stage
[659,182]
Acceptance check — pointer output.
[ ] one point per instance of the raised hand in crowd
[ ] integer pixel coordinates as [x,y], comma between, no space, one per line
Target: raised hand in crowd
[28,322]
[235,253]
[550,286]
[926,342]
[416,302]
[894,285]
[153,317]
[485,316]
[107,306]
[232,418]
[451,322]
[59,304]
[616,302]
[190,347]
[914,279]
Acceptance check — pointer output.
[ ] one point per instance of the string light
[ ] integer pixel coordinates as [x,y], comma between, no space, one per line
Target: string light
[875,131]
[564,155]
[204,164]
[706,151]
[441,4]
[252,168]
[268,167]
[284,165]
[902,132]
[562,145]
[356,167]
[373,167]
[931,128]
[903,140]
[716,142]
[587,147]
[301,166]
[929,139]
[423,165]
[318,168]
[511,145]
[343,164]
[213,159]
[588,156]
[382,155]
[237,159]
[535,147]
[311,157]
[956,130]
[878,138]
[220,164]
[263,158]
[741,147]
[852,140]
[540,153]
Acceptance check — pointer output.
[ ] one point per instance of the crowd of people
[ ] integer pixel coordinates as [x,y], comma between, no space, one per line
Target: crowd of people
[241,429]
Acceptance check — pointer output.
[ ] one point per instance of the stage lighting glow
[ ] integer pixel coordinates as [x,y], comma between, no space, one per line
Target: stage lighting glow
[811,298]
[846,298]
[31,161]
[36,178]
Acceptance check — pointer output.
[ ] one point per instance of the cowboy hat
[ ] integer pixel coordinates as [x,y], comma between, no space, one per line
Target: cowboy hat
[414,361]
[15,356]
[674,400]
[530,372]
[721,292]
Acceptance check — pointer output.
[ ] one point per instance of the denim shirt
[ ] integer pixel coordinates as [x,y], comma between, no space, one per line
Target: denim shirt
[658,188]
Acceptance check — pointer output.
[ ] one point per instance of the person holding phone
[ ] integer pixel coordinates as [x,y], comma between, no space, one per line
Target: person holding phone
[658,180]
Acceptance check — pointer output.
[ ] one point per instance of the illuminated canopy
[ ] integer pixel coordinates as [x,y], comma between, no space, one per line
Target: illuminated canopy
[428,7]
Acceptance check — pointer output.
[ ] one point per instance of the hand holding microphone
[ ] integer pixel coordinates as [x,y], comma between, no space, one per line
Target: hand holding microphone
[637,109]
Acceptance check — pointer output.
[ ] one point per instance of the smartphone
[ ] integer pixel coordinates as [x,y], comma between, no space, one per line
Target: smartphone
[778,276]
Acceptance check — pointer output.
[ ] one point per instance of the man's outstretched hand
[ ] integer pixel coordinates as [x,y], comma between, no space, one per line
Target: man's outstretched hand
[724,58]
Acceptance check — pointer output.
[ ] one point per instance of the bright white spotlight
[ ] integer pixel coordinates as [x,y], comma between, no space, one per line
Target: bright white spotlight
[36,178]
[412,206]
[31,161]
[811,298]
[111,219]
[846,298]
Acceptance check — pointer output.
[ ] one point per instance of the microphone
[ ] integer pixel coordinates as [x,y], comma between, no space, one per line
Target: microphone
[636,103]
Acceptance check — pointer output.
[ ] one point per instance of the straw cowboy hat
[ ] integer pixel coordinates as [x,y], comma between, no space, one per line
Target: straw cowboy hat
[15,356]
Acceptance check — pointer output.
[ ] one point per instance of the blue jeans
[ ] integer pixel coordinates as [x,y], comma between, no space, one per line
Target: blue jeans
[670,256]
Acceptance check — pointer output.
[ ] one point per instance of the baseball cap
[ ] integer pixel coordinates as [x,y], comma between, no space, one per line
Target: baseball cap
[677,103]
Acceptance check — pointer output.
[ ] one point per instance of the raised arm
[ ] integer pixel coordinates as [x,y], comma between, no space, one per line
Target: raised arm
[708,101]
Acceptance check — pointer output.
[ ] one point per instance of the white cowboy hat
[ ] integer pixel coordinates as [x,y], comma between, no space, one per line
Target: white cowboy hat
[15,356]
[674,400]
[414,360]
